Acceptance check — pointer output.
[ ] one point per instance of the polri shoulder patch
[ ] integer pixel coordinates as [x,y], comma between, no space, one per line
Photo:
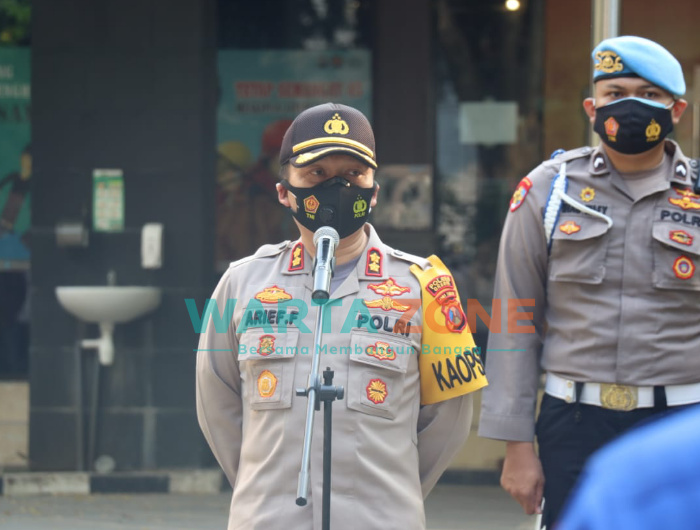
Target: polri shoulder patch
[520,193]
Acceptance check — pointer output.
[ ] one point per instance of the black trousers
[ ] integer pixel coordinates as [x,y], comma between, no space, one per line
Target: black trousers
[568,433]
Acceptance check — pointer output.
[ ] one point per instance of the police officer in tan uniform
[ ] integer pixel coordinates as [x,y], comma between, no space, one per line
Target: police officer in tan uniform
[395,336]
[603,244]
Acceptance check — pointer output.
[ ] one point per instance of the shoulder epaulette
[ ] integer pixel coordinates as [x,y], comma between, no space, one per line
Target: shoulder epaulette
[572,154]
[423,263]
[265,251]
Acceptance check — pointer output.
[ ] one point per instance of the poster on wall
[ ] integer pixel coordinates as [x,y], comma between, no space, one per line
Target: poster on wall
[260,93]
[15,157]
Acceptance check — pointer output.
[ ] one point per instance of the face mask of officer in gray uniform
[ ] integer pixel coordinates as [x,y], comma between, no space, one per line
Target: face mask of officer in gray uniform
[636,124]
[341,205]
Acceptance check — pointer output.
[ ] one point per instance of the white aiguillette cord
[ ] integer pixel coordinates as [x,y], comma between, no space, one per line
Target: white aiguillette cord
[557,195]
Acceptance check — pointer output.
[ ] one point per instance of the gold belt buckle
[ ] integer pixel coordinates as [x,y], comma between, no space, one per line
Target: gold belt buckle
[618,397]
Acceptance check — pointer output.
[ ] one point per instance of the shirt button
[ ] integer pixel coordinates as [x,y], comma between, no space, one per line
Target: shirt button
[569,384]
[567,399]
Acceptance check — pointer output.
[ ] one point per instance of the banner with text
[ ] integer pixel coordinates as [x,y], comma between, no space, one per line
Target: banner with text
[260,93]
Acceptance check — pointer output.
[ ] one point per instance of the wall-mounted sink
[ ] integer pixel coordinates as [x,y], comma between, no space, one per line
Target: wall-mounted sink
[107,305]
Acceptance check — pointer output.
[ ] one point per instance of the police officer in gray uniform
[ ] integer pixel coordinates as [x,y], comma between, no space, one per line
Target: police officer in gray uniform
[604,243]
[405,413]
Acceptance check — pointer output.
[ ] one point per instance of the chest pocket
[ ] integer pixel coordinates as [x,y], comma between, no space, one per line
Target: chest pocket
[676,251]
[378,365]
[579,248]
[267,368]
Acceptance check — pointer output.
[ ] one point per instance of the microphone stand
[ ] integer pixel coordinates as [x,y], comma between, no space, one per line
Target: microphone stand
[317,392]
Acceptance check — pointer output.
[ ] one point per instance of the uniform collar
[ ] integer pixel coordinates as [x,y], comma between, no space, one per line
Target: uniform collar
[600,165]
[371,264]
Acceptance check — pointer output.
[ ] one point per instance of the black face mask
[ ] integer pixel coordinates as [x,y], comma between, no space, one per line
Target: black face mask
[632,126]
[335,203]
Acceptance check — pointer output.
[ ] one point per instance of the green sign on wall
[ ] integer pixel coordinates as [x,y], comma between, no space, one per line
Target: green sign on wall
[108,200]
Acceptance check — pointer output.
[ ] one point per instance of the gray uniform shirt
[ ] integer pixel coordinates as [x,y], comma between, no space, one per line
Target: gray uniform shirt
[388,451]
[609,304]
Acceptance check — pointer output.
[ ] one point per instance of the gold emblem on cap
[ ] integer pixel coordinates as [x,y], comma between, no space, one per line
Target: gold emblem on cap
[608,62]
[653,131]
[336,125]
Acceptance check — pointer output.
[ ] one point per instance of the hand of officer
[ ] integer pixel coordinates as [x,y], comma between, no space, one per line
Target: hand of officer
[522,476]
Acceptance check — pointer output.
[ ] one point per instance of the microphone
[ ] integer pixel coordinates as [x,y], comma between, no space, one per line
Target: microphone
[326,240]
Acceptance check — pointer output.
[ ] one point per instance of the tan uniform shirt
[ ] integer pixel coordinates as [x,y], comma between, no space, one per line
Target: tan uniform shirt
[388,451]
[619,304]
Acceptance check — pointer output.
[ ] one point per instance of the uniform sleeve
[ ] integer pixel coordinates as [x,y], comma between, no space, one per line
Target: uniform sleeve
[219,406]
[443,429]
[512,358]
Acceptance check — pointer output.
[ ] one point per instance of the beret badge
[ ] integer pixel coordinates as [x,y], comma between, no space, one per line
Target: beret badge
[608,62]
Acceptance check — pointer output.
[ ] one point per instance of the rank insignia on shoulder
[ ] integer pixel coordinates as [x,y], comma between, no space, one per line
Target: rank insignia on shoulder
[267,345]
[374,262]
[587,194]
[389,288]
[684,268]
[267,384]
[681,170]
[381,350]
[599,162]
[296,259]
[377,391]
[387,304]
[520,193]
[681,236]
[272,295]
[569,227]
[686,203]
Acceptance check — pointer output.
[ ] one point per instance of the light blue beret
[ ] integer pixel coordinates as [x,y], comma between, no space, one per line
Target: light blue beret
[635,56]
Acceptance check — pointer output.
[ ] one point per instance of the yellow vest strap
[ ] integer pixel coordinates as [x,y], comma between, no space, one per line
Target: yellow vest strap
[450,363]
